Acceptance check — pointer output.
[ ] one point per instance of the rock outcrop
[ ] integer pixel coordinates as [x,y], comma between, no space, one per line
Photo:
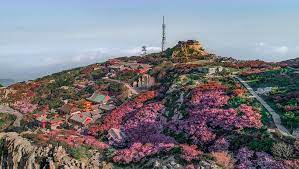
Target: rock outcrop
[17,152]
[186,50]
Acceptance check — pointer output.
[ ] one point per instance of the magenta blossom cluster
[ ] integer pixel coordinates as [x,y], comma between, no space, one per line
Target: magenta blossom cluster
[250,159]
[266,161]
[190,152]
[145,126]
[115,118]
[244,158]
[138,151]
[207,112]
[24,106]
[210,98]
[221,144]
[91,141]
[249,118]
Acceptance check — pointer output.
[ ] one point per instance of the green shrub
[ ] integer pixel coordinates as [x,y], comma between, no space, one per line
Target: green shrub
[264,144]
[236,101]
[80,152]
[291,120]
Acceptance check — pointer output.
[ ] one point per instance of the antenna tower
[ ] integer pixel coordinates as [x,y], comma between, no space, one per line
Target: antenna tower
[163,35]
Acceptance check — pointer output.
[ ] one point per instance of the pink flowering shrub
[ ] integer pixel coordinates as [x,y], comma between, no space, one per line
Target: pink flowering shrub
[219,145]
[224,118]
[249,118]
[190,152]
[115,118]
[291,164]
[223,159]
[91,141]
[24,106]
[144,126]
[266,161]
[209,99]
[198,125]
[206,114]
[190,166]
[144,132]
[138,151]
[195,128]
[244,158]
[146,114]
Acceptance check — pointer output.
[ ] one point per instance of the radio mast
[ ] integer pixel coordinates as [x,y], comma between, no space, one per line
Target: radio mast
[163,35]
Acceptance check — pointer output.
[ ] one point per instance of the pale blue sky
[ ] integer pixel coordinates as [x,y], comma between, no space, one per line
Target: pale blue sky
[44,36]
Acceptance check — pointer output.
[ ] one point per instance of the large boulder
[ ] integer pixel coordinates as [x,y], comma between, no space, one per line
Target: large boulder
[185,51]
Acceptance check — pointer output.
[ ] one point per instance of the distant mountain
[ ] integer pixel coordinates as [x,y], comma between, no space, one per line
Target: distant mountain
[292,62]
[7,82]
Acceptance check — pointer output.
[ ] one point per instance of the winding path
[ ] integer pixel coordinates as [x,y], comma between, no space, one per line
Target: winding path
[275,116]
[8,110]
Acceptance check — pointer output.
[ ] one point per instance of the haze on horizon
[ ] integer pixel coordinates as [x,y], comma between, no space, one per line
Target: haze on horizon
[43,37]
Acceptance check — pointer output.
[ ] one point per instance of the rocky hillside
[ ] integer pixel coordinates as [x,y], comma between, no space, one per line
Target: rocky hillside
[292,62]
[186,51]
[180,109]
[18,152]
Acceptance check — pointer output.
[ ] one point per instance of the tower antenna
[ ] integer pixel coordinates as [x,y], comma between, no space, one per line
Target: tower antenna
[163,35]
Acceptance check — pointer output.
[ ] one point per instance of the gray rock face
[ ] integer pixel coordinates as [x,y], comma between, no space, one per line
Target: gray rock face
[18,153]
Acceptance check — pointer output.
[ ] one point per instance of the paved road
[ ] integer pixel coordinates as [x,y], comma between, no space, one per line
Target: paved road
[275,116]
[8,110]
[133,91]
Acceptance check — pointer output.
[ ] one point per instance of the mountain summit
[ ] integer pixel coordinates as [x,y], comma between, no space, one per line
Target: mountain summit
[186,50]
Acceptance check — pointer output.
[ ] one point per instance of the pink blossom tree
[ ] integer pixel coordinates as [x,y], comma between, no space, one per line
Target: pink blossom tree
[190,152]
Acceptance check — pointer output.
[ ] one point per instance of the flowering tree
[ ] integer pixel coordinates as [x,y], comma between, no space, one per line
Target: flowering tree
[144,126]
[248,118]
[223,159]
[263,160]
[91,141]
[207,113]
[209,99]
[190,152]
[115,118]
[138,151]
[219,145]
[266,161]
[244,158]
[193,127]
[24,106]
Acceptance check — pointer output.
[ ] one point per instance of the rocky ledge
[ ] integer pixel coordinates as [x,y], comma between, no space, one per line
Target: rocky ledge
[17,152]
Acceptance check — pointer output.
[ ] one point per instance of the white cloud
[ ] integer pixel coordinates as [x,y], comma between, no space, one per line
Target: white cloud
[50,61]
[261,44]
[153,49]
[137,50]
[100,53]
[267,49]
[283,50]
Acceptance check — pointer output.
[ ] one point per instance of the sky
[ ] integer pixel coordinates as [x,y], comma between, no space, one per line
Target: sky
[39,37]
